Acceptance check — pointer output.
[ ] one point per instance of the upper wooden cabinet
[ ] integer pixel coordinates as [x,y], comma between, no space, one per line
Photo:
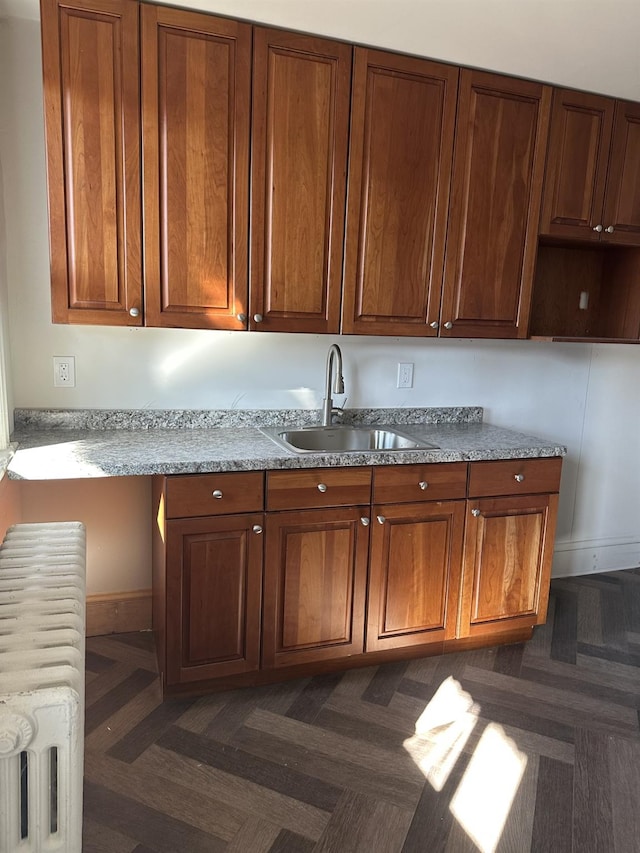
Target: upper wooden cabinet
[90,55]
[207,158]
[592,180]
[196,88]
[300,133]
[501,137]
[402,125]
[622,198]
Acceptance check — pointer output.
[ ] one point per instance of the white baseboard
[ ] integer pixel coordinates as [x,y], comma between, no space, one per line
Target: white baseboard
[587,558]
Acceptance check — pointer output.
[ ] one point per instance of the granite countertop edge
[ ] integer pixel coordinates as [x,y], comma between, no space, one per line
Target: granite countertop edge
[79,449]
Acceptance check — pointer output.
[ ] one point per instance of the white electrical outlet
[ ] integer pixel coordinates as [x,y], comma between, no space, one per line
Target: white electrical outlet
[405,375]
[64,371]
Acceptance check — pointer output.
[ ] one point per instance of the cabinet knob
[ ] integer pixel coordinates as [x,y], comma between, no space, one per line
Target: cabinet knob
[257,528]
[364,521]
[134,312]
[448,325]
[609,229]
[519,478]
[435,324]
[241,317]
[381,519]
[423,485]
[257,318]
[597,228]
[217,494]
[322,487]
[475,513]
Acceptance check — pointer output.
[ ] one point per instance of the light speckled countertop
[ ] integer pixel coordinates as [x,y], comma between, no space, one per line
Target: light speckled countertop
[70,444]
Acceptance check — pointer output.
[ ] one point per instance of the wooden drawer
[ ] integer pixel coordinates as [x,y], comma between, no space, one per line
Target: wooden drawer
[411,483]
[214,494]
[514,477]
[318,487]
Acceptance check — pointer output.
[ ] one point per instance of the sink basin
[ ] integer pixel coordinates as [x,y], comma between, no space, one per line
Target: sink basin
[344,439]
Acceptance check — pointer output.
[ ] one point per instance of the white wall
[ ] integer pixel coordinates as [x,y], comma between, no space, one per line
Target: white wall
[585,396]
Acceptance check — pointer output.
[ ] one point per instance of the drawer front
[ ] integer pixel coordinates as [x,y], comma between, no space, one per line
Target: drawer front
[318,487]
[411,483]
[214,494]
[514,477]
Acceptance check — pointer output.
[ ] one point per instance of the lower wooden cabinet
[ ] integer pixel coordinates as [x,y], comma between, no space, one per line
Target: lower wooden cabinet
[213,591]
[459,553]
[507,563]
[414,575]
[315,578]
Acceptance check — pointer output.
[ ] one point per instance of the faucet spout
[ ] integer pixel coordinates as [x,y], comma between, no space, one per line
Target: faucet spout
[334,355]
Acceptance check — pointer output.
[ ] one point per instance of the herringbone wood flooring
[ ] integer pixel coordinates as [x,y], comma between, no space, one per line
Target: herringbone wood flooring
[517,748]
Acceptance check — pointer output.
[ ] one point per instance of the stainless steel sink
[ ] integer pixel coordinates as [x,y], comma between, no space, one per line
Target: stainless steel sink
[344,439]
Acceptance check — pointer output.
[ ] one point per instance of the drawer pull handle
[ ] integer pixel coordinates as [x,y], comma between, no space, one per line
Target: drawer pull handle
[257,528]
[381,519]
[364,521]
[519,478]
[475,513]
[322,487]
[423,485]
[217,493]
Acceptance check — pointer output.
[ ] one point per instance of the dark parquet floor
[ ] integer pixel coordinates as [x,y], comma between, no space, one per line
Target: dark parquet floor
[510,749]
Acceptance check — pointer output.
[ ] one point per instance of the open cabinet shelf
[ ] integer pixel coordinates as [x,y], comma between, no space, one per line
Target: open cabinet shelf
[589,293]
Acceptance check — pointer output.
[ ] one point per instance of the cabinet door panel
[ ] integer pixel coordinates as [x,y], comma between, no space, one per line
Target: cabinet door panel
[576,168]
[507,563]
[622,200]
[315,573]
[299,153]
[90,62]
[196,102]
[213,597]
[416,554]
[501,136]
[403,114]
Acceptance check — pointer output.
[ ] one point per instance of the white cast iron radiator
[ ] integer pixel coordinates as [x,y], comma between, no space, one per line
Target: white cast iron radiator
[42,648]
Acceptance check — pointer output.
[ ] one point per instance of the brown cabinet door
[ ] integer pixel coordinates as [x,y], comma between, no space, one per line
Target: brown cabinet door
[402,124]
[508,552]
[314,585]
[90,57]
[501,137]
[196,83]
[213,591]
[299,156]
[621,219]
[576,170]
[416,556]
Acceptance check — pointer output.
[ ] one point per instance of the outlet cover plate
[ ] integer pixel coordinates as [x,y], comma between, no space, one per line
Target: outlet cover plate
[64,371]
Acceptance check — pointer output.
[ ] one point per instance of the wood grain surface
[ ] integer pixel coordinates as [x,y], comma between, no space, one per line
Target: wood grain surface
[384,759]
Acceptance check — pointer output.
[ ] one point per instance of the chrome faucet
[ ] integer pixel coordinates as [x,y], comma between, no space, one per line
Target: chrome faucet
[338,384]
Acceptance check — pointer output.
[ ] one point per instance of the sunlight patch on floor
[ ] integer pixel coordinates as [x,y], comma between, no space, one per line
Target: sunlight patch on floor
[486,792]
[483,799]
[442,730]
